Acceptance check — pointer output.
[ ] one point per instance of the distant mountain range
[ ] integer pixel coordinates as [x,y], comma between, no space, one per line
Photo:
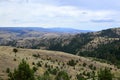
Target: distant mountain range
[55,30]
[68,30]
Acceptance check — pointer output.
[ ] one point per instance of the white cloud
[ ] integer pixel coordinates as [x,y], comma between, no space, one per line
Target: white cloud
[46,15]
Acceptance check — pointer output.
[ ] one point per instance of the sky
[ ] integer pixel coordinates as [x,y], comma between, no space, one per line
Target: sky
[77,14]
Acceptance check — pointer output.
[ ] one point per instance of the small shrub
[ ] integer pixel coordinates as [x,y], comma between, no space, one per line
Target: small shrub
[14,59]
[36,55]
[88,74]
[84,64]
[46,65]
[39,64]
[91,66]
[46,76]
[33,63]
[80,77]
[62,75]
[72,63]
[35,69]
[53,71]
[8,70]
[94,68]
[15,50]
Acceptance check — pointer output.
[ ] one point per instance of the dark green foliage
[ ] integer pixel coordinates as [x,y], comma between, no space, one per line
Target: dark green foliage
[1,78]
[14,59]
[105,74]
[75,43]
[84,73]
[62,75]
[33,63]
[23,72]
[91,66]
[8,70]
[35,69]
[94,68]
[80,77]
[109,52]
[72,62]
[15,50]
[109,33]
[84,64]
[46,76]
[46,65]
[93,75]
[39,64]
[53,71]
[88,74]
[36,55]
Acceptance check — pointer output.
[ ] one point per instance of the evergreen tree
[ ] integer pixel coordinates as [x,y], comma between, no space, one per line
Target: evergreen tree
[105,74]
[23,72]
[62,75]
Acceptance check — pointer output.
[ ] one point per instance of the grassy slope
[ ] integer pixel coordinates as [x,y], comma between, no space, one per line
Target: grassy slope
[57,59]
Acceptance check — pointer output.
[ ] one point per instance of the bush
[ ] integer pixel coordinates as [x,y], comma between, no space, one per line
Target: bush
[8,70]
[46,76]
[105,74]
[62,75]
[23,72]
[53,71]
[36,55]
[84,64]
[39,64]
[33,63]
[15,50]
[80,77]
[91,66]
[72,63]
[14,59]
[35,69]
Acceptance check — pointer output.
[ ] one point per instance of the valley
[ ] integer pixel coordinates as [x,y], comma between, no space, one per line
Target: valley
[79,54]
[59,39]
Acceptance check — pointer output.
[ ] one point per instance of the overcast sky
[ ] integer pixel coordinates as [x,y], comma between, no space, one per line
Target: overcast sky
[78,14]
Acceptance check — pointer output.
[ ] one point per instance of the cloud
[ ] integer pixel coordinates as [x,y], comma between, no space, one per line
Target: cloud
[45,14]
[103,20]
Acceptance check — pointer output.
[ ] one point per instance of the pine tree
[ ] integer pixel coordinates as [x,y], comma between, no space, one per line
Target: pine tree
[23,72]
[62,75]
[105,74]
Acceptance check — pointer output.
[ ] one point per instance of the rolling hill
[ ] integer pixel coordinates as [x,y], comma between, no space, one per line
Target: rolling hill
[102,44]
[44,59]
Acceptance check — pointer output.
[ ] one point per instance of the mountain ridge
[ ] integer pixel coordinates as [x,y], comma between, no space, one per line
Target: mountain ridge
[57,30]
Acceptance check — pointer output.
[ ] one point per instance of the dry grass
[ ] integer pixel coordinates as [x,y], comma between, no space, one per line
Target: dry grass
[51,58]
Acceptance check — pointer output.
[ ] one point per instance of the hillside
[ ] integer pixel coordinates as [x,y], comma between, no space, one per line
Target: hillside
[102,44]
[16,33]
[43,60]
[23,37]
